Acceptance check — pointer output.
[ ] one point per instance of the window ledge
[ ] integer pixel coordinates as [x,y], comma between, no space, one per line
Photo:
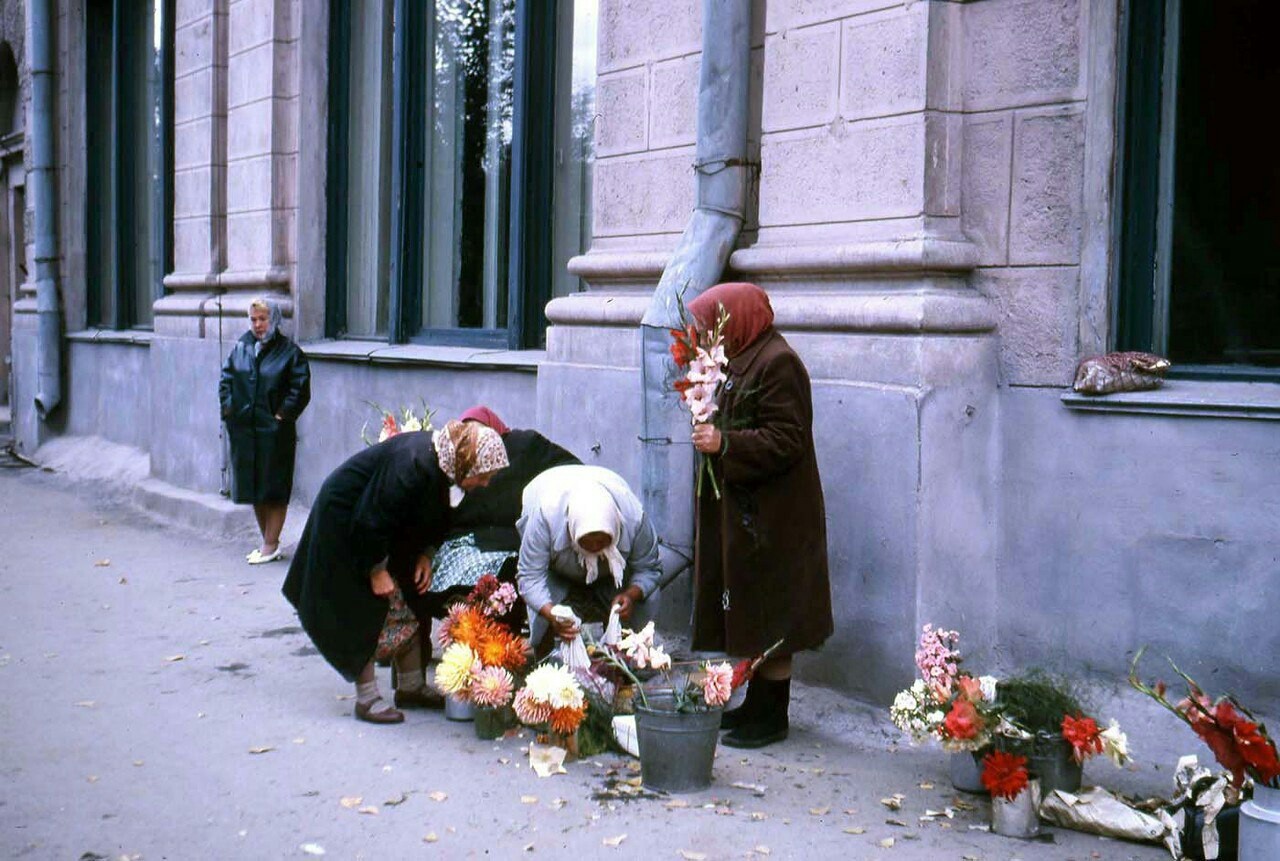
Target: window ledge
[136,337]
[1203,398]
[373,352]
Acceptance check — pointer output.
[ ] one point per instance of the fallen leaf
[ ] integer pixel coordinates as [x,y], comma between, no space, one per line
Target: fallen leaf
[856,829]
[634,781]
[887,843]
[897,822]
[345,697]
[86,704]
[762,850]
[312,848]
[926,785]
[199,715]
[557,803]
[503,760]
[266,748]
[676,804]
[351,802]
[614,841]
[124,581]
[819,811]
[528,848]
[851,810]
[93,778]
[979,827]
[102,563]
[299,741]
[970,858]
[961,804]
[368,811]
[759,817]
[437,795]
[173,658]
[757,788]
[396,802]
[893,802]
[528,799]
[689,855]
[431,837]
[137,763]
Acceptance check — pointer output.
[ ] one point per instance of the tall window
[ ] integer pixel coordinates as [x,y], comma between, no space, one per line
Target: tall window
[1200,264]
[458,137]
[129,138]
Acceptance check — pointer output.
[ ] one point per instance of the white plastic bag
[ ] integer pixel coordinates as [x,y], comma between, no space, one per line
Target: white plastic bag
[612,628]
[572,653]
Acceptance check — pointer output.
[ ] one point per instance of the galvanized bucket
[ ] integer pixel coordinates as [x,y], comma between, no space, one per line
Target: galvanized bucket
[460,710]
[1052,762]
[1260,825]
[966,772]
[677,749]
[1020,817]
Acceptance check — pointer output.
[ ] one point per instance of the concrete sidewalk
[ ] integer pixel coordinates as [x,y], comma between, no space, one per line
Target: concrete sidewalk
[143,666]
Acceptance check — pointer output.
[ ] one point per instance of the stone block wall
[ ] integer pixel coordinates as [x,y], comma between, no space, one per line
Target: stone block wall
[1024,95]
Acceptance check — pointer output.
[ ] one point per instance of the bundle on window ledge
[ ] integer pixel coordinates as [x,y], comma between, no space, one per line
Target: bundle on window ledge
[1120,372]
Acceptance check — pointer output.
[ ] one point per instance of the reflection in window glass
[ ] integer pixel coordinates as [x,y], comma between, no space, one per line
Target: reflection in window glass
[369,169]
[575,131]
[468,170]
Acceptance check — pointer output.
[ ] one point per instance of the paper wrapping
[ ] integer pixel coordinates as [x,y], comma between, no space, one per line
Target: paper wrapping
[1097,811]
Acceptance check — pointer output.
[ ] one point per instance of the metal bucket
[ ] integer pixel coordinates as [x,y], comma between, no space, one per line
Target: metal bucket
[460,710]
[966,772]
[677,749]
[491,723]
[1052,762]
[1020,817]
[1260,825]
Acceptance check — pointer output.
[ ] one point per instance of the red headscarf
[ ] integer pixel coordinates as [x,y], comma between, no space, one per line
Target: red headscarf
[750,314]
[486,417]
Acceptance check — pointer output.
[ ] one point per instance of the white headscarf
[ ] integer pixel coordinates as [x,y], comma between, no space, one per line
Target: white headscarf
[274,316]
[576,500]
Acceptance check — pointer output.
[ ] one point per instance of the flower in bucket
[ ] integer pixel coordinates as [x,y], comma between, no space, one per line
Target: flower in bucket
[1239,741]
[492,687]
[551,695]
[1083,735]
[1004,774]
[390,425]
[457,668]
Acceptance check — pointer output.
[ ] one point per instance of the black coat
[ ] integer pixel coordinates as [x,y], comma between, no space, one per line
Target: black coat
[490,513]
[252,392]
[391,501]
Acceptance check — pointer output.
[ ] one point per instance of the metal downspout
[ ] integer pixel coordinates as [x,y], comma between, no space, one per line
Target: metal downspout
[40,181]
[697,263]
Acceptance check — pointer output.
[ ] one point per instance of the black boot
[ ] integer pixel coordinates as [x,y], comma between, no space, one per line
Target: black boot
[734,718]
[769,723]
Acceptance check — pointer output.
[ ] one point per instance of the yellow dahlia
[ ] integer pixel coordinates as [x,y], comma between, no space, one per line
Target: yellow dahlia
[453,673]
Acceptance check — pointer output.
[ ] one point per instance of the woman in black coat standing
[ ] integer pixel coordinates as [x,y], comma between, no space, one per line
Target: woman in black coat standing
[372,526]
[266,384]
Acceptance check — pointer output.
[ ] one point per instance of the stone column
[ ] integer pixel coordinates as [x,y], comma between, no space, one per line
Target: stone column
[199,168]
[857,108]
[262,148]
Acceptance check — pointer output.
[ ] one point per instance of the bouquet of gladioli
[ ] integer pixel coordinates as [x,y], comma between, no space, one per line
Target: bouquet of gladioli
[946,703]
[1239,740]
[390,425]
[701,359]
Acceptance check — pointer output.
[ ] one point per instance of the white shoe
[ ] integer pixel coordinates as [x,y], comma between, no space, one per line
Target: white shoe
[260,559]
[255,552]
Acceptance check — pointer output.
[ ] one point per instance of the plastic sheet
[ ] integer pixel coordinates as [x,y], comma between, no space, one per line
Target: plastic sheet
[572,653]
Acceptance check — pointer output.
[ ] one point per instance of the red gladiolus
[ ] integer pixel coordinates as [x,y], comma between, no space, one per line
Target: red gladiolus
[682,385]
[684,346]
[389,426]
[1084,735]
[963,721]
[741,673]
[1004,774]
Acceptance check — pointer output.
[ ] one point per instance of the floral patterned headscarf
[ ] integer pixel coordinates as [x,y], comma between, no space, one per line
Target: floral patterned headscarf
[465,449]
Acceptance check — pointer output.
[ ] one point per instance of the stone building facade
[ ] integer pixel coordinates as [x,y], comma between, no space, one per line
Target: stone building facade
[949,212]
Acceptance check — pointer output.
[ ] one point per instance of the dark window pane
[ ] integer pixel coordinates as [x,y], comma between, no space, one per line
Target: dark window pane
[1224,300]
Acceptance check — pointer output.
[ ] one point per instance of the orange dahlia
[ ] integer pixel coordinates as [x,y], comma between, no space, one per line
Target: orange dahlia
[471,627]
[566,720]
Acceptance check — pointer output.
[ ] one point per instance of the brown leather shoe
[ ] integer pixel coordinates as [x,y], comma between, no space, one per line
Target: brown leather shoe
[364,713]
[423,698]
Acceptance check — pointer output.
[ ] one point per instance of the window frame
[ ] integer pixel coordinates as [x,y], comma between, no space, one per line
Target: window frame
[1142,222]
[124,311]
[532,180]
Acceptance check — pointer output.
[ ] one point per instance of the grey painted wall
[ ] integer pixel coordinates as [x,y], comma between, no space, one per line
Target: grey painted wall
[1123,530]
